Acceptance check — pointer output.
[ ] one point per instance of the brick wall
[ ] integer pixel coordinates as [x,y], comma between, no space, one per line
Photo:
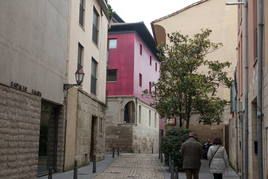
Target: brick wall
[19,134]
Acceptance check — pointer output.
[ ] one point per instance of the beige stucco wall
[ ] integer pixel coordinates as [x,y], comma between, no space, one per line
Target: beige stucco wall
[71,118]
[83,35]
[218,17]
[33,45]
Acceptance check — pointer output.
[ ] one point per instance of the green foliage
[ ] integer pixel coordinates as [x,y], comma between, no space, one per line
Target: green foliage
[171,144]
[189,81]
[110,11]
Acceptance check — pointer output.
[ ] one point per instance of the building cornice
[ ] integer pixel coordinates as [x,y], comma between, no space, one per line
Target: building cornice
[179,11]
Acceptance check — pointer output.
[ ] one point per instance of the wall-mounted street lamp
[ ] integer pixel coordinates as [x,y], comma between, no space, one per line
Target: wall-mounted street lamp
[79,77]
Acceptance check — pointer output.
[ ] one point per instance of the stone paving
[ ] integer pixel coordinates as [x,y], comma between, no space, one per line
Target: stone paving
[85,172]
[134,166]
[147,166]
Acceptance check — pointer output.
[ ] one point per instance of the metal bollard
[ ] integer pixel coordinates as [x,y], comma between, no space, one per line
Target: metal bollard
[75,170]
[94,164]
[169,162]
[176,173]
[50,173]
[118,151]
[172,170]
[152,150]
[113,152]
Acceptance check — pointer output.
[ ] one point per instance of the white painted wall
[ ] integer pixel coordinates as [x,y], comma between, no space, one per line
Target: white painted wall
[33,45]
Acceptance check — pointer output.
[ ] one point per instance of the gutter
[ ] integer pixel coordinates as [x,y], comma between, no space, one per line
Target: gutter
[260,16]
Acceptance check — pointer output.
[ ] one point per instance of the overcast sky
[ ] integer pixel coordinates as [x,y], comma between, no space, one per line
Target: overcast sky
[147,10]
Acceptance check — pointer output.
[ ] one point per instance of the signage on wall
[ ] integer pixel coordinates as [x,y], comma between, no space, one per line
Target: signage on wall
[24,88]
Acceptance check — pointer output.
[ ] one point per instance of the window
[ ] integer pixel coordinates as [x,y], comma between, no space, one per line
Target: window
[80,56]
[150,60]
[112,43]
[140,114]
[140,80]
[155,66]
[150,87]
[150,118]
[111,75]
[140,49]
[95,31]
[82,12]
[94,66]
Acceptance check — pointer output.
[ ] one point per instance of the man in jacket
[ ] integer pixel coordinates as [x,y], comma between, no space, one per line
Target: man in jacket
[191,151]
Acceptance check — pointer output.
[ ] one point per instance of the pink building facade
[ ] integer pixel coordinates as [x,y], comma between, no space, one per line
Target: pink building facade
[132,123]
[136,65]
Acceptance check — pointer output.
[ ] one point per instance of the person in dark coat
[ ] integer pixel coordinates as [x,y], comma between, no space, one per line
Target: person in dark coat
[191,151]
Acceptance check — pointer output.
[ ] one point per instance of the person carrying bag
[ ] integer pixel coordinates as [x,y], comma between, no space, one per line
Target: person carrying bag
[218,159]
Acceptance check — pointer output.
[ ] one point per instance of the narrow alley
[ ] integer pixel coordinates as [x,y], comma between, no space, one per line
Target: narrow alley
[147,166]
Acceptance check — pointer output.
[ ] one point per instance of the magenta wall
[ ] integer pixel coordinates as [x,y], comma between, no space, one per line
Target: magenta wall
[122,59]
[142,66]
[127,59]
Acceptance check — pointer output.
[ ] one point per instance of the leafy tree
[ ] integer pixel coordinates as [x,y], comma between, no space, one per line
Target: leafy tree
[189,81]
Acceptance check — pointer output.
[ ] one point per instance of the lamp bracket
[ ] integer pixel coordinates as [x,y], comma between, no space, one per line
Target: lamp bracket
[68,86]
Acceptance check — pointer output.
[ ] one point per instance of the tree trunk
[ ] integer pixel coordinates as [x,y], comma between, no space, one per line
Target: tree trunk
[181,121]
[187,123]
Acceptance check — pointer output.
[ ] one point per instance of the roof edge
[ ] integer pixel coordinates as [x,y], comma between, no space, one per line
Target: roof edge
[179,11]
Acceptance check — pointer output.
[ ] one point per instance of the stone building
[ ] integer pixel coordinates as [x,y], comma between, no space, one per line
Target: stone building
[250,96]
[33,48]
[222,20]
[132,124]
[87,52]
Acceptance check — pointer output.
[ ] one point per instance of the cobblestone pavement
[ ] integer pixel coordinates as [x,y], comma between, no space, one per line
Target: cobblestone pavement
[134,166]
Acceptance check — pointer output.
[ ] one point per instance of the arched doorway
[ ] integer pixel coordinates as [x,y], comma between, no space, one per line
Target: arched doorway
[129,112]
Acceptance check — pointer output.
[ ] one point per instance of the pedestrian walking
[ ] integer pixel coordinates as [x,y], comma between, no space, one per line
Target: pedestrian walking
[218,159]
[191,151]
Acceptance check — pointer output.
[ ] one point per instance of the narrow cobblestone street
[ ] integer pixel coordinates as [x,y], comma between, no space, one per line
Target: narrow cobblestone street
[147,166]
[136,166]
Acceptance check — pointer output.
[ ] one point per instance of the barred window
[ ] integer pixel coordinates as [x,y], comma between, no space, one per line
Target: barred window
[80,56]
[81,12]
[94,68]
[95,30]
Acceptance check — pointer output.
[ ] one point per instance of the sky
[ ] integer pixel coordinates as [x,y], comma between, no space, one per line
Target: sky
[147,10]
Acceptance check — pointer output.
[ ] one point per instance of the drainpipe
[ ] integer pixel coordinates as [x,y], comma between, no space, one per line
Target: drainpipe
[246,78]
[260,86]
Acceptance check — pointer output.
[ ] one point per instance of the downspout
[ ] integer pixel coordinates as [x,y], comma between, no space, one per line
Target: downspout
[260,86]
[245,59]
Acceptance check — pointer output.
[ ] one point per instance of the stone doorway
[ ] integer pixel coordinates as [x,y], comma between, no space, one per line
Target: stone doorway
[94,123]
[48,137]
[129,112]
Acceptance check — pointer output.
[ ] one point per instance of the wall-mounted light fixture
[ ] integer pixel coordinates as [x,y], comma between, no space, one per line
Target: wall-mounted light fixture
[79,77]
